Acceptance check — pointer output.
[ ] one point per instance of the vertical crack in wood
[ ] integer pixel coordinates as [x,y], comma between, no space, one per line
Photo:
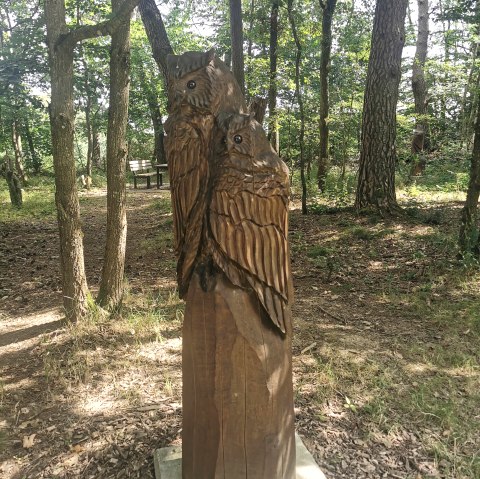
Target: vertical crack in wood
[245,410]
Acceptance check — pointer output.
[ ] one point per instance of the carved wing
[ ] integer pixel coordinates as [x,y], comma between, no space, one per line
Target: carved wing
[187,147]
[248,224]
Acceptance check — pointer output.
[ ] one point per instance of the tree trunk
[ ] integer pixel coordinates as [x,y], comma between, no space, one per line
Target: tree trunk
[420,140]
[159,148]
[272,89]
[469,101]
[298,93]
[36,161]
[376,177]
[88,120]
[236,33]
[257,106]
[17,148]
[14,187]
[328,10]
[156,116]
[469,241]
[74,283]
[112,283]
[156,33]
[96,154]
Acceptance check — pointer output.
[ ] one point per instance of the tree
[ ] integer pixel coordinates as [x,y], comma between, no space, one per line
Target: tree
[236,33]
[376,177]
[298,93]
[272,88]
[61,42]
[469,240]
[112,284]
[328,10]
[157,35]
[14,188]
[420,140]
[18,150]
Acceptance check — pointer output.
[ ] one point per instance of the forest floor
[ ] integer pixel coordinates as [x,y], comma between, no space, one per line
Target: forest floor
[386,345]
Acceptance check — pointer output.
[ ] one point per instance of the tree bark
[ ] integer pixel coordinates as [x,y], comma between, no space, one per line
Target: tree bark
[88,117]
[272,89]
[112,283]
[14,187]
[18,150]
[326,46]
[96,154]
[420,140]
[257,106]
[157,34]
[298,93]
[61,42]
[74,283]
[376,177]
[236,33]
[156,116]
[36,162]
[469,241]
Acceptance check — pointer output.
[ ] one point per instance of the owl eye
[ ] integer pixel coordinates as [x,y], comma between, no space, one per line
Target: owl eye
[191,84]
[237,139]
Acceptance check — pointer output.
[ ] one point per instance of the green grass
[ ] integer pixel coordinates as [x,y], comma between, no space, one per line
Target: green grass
[38,203]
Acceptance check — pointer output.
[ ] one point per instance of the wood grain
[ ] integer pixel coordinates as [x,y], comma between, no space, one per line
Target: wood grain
[238,419]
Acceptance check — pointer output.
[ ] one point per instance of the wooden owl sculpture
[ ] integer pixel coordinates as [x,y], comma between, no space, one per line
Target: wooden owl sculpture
[247,215]
[200,86]
[230,202]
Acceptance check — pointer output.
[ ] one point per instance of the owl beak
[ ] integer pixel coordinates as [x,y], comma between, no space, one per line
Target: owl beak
[180,95]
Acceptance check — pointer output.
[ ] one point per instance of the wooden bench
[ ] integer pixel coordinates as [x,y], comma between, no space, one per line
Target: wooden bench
[142,169]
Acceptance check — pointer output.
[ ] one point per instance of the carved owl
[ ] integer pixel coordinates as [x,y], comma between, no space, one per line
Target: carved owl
[203,82]
[248,215]
[200,86]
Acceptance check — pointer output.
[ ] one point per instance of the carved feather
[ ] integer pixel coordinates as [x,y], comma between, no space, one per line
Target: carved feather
[248,218]
[199,86]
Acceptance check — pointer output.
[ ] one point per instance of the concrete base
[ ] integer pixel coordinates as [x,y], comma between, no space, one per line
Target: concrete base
[168,463]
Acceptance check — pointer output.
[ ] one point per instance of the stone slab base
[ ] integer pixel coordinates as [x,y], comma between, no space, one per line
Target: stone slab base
[168,463]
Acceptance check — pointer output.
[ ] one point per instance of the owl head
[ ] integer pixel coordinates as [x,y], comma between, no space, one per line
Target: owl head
[243,135]
[199,80]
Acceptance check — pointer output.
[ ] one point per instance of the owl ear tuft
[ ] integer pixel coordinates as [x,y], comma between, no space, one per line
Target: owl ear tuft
[223,120]
[209,56]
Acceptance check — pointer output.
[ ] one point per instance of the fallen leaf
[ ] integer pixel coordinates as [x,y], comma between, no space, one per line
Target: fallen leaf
[77,448]
[71,461]
[28,441]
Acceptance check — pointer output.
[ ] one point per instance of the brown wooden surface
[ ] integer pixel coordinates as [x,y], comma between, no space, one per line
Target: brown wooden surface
[230,204]
[238,418]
